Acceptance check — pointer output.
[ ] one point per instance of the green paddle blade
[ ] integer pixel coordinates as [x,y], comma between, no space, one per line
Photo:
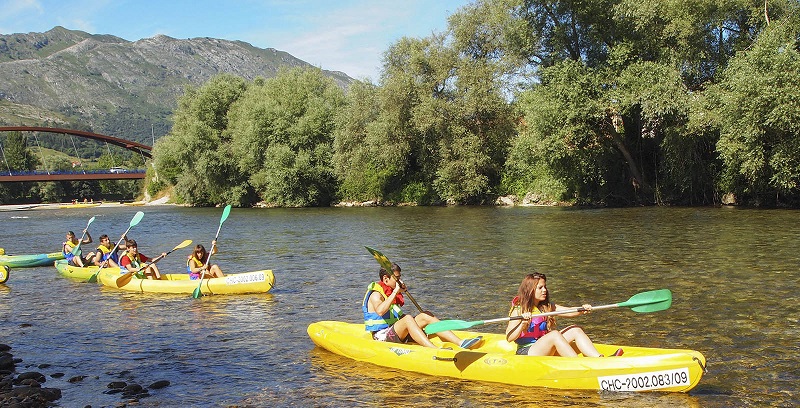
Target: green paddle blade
[382,259]
[225,213]
[652,301]
[136,218]
[445,325]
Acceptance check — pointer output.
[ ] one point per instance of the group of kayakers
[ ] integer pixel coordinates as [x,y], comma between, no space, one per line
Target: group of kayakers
[534,335]
[108,256]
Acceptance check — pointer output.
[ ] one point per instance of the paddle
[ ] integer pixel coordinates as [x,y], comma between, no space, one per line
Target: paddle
[134,221]
[644,302]
[386,264]
[77,249]
[196,294]
[127,276]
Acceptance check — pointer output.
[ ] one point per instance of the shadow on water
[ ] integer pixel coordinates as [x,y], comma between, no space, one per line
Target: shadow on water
[731,271]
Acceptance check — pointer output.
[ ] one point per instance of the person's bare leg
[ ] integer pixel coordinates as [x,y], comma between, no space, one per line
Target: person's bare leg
[408,326]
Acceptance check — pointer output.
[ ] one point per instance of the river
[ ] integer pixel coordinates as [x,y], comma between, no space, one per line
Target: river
[733,274]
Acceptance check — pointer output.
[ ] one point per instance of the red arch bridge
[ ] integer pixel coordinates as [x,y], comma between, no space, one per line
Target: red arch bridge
[111,174]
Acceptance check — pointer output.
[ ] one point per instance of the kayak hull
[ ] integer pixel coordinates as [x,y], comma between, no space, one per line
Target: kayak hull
[77,272]
[495,360]
[235,283]
[30,261]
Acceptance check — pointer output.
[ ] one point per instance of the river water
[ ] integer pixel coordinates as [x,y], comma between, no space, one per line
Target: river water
[733,274]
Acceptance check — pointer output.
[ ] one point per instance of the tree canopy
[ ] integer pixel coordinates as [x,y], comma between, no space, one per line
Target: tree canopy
[603,102]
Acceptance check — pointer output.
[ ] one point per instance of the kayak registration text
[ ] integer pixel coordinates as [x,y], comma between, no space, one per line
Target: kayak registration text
[645,381]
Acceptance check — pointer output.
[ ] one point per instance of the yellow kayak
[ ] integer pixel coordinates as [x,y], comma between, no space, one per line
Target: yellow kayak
[495,360]
[79,205]
[77,272]
[235,283]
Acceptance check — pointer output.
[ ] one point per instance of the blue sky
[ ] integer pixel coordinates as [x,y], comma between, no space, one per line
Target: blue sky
[341,35]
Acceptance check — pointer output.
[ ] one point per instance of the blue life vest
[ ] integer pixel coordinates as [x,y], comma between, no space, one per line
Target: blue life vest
[373,321]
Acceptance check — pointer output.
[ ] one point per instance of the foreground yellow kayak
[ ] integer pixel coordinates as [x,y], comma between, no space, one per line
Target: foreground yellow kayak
[235,283]
[77,272]
[495,360]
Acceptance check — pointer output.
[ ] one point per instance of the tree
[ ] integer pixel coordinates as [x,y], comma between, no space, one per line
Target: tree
[17,155]
[282,133]
[196,155]
[756,107]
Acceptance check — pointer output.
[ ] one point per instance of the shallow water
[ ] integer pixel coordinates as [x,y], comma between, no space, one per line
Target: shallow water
[732,273]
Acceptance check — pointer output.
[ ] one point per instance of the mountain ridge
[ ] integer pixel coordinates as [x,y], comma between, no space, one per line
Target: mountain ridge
[119,87]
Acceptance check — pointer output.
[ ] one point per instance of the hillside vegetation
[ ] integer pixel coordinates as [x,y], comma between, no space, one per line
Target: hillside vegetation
[117,87]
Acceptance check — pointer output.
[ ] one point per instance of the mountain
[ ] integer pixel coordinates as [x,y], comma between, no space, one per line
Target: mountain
[118,87]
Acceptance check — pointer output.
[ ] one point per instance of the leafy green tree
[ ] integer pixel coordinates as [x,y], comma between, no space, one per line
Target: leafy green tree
[438,128]
[757,109]
[626,137]
[362,164]
[17,155]
[196,155]
[282,133]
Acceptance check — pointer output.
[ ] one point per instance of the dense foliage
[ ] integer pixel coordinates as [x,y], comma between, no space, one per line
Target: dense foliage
[241,143]
[602,102]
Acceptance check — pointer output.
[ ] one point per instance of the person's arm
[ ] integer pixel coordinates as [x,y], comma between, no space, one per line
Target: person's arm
[515,328]
[98,257]
[381,307]
[214,247]
[587,306]
[88,239]
[194,266]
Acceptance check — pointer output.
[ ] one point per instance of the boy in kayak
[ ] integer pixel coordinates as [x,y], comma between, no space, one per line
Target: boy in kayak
[537,336]
[69,245]
[384,317]
[132,260]
[104,254]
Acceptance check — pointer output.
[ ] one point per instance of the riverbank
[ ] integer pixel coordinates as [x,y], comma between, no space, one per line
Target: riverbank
[103,204]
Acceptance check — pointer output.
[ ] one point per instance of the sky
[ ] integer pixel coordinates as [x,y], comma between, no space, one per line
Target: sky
[338,35]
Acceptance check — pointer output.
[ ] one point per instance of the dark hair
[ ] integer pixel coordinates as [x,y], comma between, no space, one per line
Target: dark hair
[201,248]
[104,236]
[71,233]
[131,243]
[383,272]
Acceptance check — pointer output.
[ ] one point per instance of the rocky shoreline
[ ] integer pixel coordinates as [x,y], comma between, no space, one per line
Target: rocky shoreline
[26,390]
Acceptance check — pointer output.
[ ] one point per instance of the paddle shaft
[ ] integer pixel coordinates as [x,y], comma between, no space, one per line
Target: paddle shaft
[197,292]
[134,221]
[77,249]
[557,312]
[125,278]
[384,262]
[405,290]
[645,302]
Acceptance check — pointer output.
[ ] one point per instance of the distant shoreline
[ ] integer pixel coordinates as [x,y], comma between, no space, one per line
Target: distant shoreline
[61,206]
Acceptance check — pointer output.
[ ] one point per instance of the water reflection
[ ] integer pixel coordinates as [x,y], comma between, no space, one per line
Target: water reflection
[732,275]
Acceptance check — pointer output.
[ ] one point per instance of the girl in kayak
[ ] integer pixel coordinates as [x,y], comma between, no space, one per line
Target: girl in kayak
[537,336]
[197,262]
